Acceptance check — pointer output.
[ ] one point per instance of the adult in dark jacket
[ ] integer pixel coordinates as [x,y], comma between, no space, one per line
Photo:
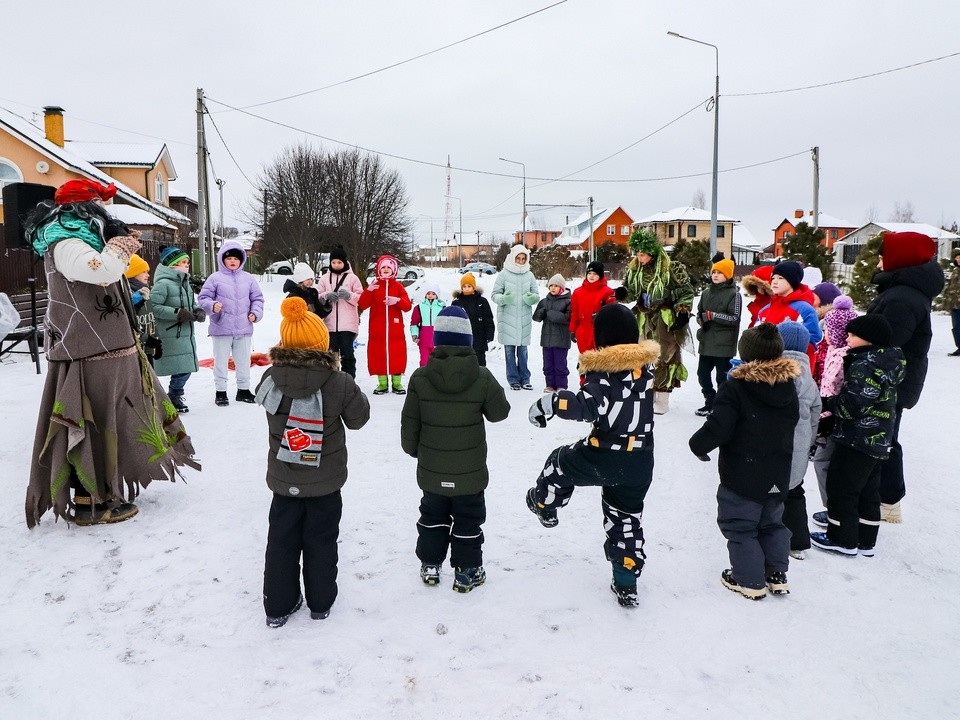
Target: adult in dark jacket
[753,421]
[442,426]
[477,307]
[909,278]
[718,315]
[304,390]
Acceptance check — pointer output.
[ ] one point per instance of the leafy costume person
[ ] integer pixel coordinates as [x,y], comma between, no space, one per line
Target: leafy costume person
[664,296]
[105,426]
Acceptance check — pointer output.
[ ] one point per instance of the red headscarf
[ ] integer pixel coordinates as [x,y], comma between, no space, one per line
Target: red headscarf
[906,249]
[83,190]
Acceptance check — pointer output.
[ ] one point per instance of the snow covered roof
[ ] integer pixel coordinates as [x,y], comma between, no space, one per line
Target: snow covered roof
[131,215]
[115,154]
[579,230]
[929,230]
[743,238]
[246,240]
[824,221]
[34,137]
[683,214]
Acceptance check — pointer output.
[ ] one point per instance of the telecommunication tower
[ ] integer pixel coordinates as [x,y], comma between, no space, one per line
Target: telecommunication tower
[448,211]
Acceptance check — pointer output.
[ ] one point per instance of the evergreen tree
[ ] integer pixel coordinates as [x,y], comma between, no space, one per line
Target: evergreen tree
[861,291]
[695,257]
[806,246]
[950,297]
[612,253]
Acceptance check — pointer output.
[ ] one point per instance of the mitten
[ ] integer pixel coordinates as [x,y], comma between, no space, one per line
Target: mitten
[199,315]
[541,411]
[391,300]
[145,293]
[531,298]
[114,228]
[125,245]
[184,315]
[329,297]
[343,294]
[703,458]
[373,286]
[506,298]
[155,347]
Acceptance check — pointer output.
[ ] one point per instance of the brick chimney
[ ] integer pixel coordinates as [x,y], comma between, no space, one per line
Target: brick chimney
[797,214]
[53,124]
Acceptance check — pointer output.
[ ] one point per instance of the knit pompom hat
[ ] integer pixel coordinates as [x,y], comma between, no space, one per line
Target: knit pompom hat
[338,253]
[615,324]
[452,327]
[827,292]
[873,328]
[837,319]
[791,271]
[761,342]
[137,265]
[468,279]
[794,335]
[557,280]
[724,267]
[301,272]
[170,256]
[300,328]
[431,288]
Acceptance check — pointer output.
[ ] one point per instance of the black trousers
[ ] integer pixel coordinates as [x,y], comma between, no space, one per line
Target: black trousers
[342,343]
[795,518]
[308,527]
[481,350]
[757,540]
[853,497]
[892,485]
[454,523]
[707,366]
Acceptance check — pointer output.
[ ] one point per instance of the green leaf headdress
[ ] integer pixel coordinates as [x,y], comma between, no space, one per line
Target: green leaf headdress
[645,240]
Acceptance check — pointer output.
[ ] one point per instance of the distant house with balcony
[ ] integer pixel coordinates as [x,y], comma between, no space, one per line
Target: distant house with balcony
[833,229]
[691,224]
[609,225]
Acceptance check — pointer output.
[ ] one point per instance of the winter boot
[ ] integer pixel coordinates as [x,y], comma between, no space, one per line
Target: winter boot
[88,512]
[891,512]
[661,402]
[466,579]
[381,388]
[322,615]
[546,516]
[177,400]
[397,388]
[798,554]
[281,620]
[726,577]
[430,574]
[823,542]
[821,519]
[222,398]
[703,412]
[246,396]
[626,594]
[777,583]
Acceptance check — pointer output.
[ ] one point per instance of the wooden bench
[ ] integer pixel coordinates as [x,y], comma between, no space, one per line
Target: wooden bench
[32,307]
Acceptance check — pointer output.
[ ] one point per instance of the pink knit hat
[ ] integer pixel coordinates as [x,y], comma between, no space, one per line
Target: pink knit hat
[837,319]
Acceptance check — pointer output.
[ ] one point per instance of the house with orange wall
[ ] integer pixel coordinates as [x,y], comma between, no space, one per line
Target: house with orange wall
[609,225]
[833,229]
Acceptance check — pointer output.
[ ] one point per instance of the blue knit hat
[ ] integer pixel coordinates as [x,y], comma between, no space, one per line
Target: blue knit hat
[794,335]
[452,327]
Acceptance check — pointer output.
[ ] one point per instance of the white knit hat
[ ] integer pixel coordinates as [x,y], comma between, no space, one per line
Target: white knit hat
[301,272]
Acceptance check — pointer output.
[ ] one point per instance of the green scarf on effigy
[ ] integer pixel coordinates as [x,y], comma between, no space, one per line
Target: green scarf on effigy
[66,225]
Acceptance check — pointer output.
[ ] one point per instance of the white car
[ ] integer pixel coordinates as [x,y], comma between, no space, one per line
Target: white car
[405,272]
[280,267]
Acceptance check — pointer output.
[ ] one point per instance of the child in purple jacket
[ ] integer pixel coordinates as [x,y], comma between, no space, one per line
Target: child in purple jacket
[233,302]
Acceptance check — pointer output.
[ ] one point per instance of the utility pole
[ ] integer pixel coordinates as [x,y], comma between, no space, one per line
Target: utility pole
[201,186]
[590,254]
[816,187]
[220,183]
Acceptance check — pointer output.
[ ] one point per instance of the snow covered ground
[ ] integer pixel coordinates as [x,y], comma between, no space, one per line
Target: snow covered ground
[161,616]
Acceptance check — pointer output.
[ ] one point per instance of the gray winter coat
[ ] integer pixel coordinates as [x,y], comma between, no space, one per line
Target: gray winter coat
[300,374]
[554,312]
[808,395]
[515,292]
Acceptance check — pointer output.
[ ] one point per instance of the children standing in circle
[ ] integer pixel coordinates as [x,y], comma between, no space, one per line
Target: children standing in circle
[554,312]
[585,302]
[233,300]
[341,288]
[515,293]
[718,316]
[387,300]
[175,309]
[421,323]
[471,299]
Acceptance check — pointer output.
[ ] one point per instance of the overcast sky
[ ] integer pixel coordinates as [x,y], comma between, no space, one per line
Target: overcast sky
[558,91]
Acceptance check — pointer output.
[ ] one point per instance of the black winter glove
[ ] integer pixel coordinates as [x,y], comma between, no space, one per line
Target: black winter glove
[680,321]
[703,458]
[620,294]
[184,315]
[199,315]
[154,347]
[541,411]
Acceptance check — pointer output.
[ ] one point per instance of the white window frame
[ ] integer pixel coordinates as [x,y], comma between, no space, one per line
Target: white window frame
[11,164]
[159,189]
[624,230]
[611,229]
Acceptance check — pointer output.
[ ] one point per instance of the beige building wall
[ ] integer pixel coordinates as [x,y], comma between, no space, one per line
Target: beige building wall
[26,159]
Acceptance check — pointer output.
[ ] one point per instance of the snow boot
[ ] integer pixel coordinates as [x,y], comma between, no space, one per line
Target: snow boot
[703,412]
[661,403]
[381,388]
[866,551]
[397,386]
[890,512]
[246,396]
[821,519]
[777,583]
[281,620]
[222,398]
[546,516]
[726,577]
[322,615]
[88,513]
[466,579]
[626,594]
[821,541]
[176,399]
[430,574]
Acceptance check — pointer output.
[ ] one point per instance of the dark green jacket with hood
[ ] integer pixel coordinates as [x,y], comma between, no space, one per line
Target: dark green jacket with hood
[442,421]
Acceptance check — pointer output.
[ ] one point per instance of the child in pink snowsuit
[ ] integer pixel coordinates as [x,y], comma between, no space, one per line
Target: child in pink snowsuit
[421,324]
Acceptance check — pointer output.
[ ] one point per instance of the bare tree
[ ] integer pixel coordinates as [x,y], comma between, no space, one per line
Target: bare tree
[903,212]
[699,199]
[872,213]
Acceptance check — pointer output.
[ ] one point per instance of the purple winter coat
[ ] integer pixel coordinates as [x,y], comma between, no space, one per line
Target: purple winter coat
[239,293]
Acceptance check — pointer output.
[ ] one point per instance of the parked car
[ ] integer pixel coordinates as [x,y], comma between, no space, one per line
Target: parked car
[280,267]
[480,268]
[406,272]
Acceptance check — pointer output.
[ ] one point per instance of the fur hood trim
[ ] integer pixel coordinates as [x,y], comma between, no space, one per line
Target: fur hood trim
[767,371]
[457,294]
[754,286]
[297,357]
[617,358]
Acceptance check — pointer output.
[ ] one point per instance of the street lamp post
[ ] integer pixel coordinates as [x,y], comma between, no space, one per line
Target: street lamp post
[460,236]
[716,136]
[523,219]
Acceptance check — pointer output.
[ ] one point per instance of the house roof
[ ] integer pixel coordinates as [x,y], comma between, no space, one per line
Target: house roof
[929,230]
[130,215]
[743,238]
[115,154]
[578,231]
[824,221]
[683,214]
[34,137]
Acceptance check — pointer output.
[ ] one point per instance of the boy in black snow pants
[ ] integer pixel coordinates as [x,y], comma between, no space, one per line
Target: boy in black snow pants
[753,421]
[617,398]
[865,412]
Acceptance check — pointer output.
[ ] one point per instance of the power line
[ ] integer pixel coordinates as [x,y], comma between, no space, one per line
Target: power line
[408,60]
[227,148]
[840,82]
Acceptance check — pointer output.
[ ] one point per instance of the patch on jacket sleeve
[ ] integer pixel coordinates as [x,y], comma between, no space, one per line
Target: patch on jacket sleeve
[561,403]
[448,485]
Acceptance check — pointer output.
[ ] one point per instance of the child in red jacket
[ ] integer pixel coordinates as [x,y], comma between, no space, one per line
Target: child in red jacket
[586,300]
[387,300]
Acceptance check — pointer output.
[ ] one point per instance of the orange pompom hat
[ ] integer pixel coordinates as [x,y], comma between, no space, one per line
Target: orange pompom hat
[300,328]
